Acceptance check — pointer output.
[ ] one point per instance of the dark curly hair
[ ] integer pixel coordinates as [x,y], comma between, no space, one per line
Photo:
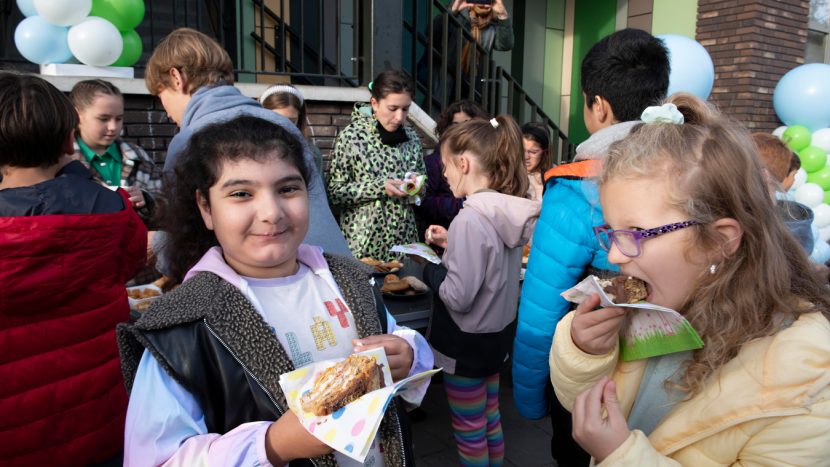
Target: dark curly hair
[468,107]
[200,167]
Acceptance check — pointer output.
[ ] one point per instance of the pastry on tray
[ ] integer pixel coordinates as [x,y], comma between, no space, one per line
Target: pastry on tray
[380,266]
[408,285]
[343,383]
[624,289]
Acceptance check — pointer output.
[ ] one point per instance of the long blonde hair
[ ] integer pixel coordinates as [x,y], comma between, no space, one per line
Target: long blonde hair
[717,175]
[498,149]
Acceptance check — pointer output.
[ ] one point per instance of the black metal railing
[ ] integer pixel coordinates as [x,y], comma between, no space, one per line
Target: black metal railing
[300,39]
[441,80]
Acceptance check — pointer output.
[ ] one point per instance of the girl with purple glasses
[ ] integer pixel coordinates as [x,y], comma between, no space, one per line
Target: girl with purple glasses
[710,246]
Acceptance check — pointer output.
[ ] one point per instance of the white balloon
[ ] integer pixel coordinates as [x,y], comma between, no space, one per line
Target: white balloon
[822,215]
[824,233]
[63,12]
[821,139]
[808,194]
[95,41]
[800,179]
[779,131]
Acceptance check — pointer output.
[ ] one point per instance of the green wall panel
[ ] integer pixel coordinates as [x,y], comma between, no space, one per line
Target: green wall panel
[675,17]
[593,20]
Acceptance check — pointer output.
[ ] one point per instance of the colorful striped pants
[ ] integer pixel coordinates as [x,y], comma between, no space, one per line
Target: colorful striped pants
[476,422]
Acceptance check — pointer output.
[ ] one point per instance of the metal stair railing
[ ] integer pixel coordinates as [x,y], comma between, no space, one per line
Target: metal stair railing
[440,80]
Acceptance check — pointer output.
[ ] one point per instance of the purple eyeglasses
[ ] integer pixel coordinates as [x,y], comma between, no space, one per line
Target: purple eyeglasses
[628,241]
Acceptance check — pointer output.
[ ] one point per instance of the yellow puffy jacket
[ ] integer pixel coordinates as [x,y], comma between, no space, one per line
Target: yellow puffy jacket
[770,405]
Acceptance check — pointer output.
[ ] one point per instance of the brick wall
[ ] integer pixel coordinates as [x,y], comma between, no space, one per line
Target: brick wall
[146,124]
[752,44]
[325,120]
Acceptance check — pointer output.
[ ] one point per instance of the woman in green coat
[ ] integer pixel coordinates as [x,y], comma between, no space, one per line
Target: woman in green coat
[373,157]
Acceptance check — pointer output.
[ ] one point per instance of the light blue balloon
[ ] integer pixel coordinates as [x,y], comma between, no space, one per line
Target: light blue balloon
[692,69]
[42,42]
[27,7]
[821,252]
[802,96]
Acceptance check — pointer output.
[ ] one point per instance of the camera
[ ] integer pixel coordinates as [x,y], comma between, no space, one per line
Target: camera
[480,2]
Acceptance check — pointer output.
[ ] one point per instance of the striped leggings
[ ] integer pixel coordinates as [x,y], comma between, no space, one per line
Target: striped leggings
[476,422]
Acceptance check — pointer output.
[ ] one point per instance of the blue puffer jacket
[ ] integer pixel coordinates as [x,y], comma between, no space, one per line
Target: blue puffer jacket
[564,248]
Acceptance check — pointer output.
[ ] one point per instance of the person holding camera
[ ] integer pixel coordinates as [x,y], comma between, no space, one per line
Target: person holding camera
[490,26]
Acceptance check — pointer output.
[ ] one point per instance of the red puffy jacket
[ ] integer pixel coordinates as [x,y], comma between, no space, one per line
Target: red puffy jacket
[62,396]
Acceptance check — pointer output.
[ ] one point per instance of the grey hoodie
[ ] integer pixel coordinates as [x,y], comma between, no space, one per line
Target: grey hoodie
[484,258]
[597,145]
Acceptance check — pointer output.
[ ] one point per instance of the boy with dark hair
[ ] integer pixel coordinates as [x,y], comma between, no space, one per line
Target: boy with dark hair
[193,77]
[67,246]
[622,74]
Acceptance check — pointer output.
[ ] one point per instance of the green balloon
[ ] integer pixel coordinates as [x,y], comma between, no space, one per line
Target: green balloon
[812,158]
[820,177]
[126,15]
[797,137]
[827,197]
[131,51]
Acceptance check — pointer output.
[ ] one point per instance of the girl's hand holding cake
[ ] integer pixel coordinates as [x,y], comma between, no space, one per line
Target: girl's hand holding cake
[596,332]
[399,353]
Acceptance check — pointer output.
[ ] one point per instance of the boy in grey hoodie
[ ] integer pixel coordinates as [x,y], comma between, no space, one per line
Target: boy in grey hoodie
[193,77]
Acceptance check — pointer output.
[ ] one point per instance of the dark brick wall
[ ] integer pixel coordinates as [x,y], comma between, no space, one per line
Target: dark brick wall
[752,44]
[325,120]
[146,124]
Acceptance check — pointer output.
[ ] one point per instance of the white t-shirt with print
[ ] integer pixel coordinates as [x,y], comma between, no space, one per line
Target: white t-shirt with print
[313,323]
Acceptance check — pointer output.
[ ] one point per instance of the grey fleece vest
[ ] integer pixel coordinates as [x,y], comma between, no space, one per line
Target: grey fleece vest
[206,297]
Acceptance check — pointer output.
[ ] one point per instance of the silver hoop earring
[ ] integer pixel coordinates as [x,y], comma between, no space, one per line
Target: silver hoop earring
[713,269]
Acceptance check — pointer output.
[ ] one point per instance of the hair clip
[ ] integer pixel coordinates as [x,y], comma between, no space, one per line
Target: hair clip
[494,122]
[281,88]
[666,113]
[370,85]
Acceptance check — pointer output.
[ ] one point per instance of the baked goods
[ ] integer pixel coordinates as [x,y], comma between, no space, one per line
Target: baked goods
[622,289]
[380,266]
[408,285]
[394,284]
[139,294]
[343,383]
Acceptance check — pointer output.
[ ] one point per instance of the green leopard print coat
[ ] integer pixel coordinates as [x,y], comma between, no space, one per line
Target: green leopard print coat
[372,221]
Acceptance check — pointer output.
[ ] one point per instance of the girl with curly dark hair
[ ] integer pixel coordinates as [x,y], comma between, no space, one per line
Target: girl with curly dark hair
[203,363]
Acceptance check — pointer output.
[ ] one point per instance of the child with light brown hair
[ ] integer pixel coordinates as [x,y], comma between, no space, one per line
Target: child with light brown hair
[477,283]
[98,145]
[779,166]
[779,161]
[712,248]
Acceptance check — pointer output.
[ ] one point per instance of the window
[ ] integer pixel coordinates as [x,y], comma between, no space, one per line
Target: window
[818,32]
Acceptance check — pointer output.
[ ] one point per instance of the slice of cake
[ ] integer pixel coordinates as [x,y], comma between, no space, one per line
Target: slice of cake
[343,383]
[622,289]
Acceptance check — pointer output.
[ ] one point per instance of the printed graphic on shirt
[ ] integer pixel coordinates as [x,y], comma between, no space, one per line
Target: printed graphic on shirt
[339,311]
[311,319]
[322,332]
[299,357]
